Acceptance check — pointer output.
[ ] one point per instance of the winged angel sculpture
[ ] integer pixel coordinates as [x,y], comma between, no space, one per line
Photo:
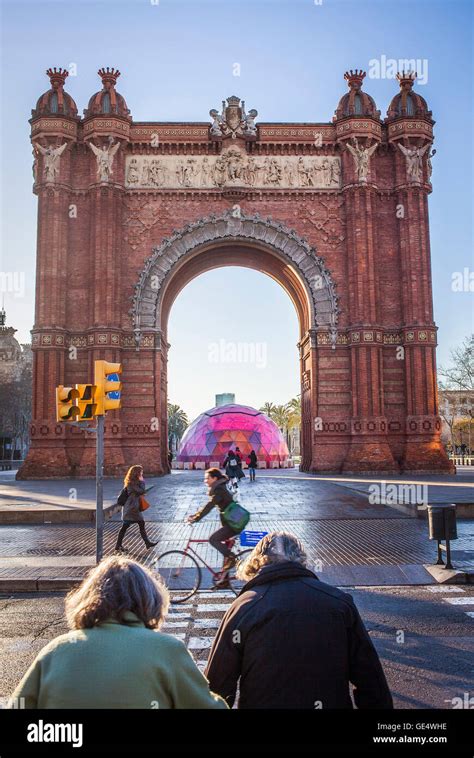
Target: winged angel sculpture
[361,157]
[105,158]
[52,156]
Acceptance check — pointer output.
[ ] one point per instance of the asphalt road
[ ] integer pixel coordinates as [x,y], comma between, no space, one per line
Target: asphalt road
[424,636]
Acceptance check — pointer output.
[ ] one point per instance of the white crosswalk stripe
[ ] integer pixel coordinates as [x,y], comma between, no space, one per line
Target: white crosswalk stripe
[221,594]
[448,588]
[206,623]
[200,643]
[212,607]
[459,600]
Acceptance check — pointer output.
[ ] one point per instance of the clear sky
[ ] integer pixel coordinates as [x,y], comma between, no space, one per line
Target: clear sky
[177,61]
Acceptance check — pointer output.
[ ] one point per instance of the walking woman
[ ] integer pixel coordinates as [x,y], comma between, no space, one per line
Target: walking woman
[134,484]
[119,658]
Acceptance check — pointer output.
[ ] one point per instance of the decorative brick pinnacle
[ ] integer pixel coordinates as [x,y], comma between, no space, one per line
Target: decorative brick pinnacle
[109,76]
[355,78]
[57,76]
[406,79]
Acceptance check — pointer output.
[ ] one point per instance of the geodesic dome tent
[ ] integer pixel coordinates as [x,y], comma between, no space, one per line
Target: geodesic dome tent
[219,429]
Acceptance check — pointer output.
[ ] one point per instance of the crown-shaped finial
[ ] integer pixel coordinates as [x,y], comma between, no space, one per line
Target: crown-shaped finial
[355,78]
[57,76]
[109,75]
[407,79]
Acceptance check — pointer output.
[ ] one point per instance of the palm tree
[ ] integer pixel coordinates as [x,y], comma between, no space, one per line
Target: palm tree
[294,423]
[177,424]
[280,416]
[268,409]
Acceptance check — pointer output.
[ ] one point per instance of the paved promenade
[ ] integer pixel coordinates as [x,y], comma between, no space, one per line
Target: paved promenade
[349,539]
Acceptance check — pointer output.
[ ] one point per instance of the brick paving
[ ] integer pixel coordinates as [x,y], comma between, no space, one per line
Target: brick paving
[338,526]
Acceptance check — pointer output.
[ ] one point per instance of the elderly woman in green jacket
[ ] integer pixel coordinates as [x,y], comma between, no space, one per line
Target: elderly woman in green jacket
[114,656]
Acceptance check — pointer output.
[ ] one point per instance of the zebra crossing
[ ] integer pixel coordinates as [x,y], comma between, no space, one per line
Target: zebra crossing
[197,621]
[459,599]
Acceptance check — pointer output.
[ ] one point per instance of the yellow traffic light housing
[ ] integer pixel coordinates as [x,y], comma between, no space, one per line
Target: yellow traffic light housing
[104,385]
[86,401]
[66,407]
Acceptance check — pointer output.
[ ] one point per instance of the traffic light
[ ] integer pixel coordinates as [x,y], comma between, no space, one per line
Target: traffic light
[104,383]
[66,407]
[86,401]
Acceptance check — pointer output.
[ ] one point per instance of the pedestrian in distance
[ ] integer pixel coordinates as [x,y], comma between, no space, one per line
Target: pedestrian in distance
[292,640]
[252,464]
[130,499]
[238,455]
[119,658]
[231,467]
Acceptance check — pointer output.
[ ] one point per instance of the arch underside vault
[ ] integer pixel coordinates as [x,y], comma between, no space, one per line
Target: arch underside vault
[227,240]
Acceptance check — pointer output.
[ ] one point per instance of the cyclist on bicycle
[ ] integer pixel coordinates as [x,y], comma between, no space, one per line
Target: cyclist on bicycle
[220,497]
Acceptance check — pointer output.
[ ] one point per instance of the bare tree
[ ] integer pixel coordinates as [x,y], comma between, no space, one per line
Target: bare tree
[460,375]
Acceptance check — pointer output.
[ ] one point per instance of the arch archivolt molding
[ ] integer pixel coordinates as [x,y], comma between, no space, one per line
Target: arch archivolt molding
[232,227]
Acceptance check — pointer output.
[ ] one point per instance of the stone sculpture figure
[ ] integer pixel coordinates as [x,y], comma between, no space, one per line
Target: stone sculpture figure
[217,122]
[52,157]
[248,121]
[335,172]
[105,158]
[251,172]
[145,172]
[429,164]
[133,176]
[414,161]
[361,157]
[326,169]
[206,178]
[289,172]
[304,174]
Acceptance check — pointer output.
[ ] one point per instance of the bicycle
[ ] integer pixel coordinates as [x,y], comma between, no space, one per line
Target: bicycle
[182,573]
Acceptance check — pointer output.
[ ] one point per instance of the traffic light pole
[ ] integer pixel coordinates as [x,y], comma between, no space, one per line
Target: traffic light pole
[99,486]
[83,402]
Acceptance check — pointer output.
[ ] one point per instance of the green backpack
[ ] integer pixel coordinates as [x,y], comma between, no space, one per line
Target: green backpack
[236,516]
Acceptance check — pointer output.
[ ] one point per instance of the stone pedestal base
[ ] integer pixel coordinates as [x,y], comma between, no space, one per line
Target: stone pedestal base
[369,457]
[426,457]
[45,463]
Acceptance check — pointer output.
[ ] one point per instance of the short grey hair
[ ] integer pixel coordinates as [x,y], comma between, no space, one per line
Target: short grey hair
[275,547]
[113,587]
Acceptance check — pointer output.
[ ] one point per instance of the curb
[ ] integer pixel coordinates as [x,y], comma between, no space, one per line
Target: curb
[450,576]
[22,517]
[39,584]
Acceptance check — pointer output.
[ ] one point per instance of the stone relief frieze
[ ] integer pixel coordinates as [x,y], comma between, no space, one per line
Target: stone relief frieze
[232,168]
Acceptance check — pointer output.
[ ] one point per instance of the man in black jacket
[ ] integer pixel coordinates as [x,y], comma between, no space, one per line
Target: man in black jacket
[294,641]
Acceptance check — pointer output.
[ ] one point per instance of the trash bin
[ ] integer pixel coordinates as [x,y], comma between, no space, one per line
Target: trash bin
[442,522]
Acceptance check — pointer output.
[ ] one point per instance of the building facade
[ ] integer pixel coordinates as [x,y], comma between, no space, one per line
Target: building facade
[129,212]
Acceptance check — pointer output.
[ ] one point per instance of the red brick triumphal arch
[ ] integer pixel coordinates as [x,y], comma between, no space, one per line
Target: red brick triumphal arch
[130,212]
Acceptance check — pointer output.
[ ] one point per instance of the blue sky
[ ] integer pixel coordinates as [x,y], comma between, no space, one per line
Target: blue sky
[177,61]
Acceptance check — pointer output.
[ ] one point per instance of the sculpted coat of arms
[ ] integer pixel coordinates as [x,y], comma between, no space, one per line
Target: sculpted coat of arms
[233,121]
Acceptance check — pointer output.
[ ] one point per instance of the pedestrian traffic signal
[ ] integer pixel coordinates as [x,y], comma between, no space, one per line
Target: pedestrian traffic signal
[66,405]
[104,384]
[86,401]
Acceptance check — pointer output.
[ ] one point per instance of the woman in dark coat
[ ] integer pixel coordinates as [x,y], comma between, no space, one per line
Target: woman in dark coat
[134,483]
[292,640]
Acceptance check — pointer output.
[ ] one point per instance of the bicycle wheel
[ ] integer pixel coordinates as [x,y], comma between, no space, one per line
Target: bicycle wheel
[181,574]
[237,584]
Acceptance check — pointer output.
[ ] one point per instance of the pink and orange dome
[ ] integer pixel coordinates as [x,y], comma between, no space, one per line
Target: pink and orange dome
[226,427]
